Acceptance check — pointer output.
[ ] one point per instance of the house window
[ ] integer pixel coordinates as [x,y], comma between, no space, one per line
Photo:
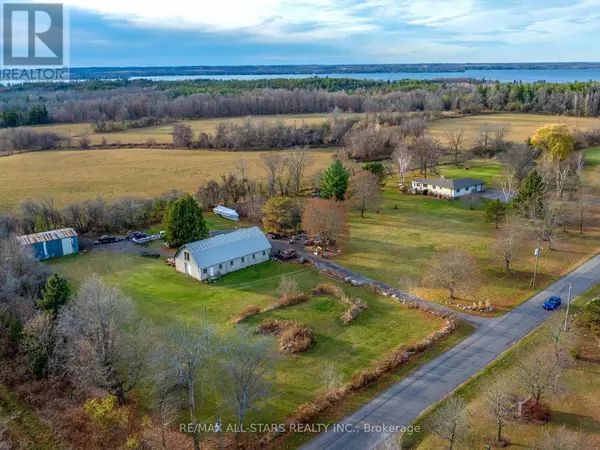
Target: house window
[264,253]
[424,185]
[186,256]
[243,259]
[220,266]
[231,263]
[253,256]
[204,271]
[457,191]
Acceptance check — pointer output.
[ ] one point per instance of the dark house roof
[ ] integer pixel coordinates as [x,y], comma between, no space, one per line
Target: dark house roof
[460,183]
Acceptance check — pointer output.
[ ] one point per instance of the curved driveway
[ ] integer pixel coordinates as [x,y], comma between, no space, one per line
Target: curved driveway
[402,403]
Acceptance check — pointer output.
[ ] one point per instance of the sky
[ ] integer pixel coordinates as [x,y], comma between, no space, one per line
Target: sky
[238,32]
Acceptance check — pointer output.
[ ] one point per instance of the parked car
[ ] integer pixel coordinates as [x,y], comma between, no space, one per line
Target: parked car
[108,239]
[274,236]
[288,254]
[171,262]
[552,303]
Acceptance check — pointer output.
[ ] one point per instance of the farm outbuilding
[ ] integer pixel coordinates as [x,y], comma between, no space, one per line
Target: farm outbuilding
[52,244]
[223,254]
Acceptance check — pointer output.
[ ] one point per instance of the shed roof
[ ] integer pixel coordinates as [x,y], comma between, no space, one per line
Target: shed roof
[227,247]
[459,183]
[47,236]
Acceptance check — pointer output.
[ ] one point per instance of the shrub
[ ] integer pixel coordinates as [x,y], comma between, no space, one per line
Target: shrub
[248,311]
[288,287]
[328,289]
[105,413]
[290,300]
[297,338]
[425,191]
[293,336]
[357,308]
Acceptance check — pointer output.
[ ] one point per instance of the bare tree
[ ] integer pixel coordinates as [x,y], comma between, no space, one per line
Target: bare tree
[546,220]
[585,199]
[451,421]
[454,138]
[183,369]
[242,166]
[326,219]
[273,164]
[538,374]
[521,159]
[248,371]
[561,438]
[298,162]
[427,152]
[561,174]
[101,339]
[364,191]
[509,183]
[485,137]
[403,158]
[454,270]
[509,240]
[499,404]
[182,135]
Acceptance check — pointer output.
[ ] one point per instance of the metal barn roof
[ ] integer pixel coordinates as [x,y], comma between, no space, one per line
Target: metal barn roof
[47,236]
[227,247]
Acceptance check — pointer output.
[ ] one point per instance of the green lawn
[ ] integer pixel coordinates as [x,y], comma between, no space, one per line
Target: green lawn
[576,405]
[487,170]
[164,295]
[396,243]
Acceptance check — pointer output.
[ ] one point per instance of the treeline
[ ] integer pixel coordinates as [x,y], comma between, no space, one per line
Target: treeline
[93,216]
[337,131]
[129,101]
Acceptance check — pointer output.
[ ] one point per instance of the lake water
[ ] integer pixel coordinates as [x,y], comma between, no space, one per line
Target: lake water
[530,75]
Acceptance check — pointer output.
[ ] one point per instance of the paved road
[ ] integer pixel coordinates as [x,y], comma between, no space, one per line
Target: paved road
[402,403]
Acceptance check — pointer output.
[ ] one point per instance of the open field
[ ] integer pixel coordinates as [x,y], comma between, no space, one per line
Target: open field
[397,245]
[70,176]
[164,295]
[576,405]
[520,126]
[162,133]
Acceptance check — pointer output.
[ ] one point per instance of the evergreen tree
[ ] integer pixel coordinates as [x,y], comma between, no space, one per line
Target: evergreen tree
[56,294]
[184,222]
[335,181]
[376,168]
[532,194]
[495,212]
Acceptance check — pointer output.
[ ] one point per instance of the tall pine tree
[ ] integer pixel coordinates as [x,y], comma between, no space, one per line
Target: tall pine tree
[532,194]
[184,222]
[335,181]
[56,294]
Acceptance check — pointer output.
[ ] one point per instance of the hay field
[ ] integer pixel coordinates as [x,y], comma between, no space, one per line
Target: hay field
[520,126]
[162,133]
[70,176]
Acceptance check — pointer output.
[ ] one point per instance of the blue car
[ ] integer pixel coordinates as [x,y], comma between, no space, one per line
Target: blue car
[552,303]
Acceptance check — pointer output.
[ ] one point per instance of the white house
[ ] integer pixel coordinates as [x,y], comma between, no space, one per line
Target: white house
[227,213]
[447,187]
[222,254]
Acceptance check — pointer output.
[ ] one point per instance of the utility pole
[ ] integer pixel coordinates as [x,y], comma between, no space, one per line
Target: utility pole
[537,262]
[568,304]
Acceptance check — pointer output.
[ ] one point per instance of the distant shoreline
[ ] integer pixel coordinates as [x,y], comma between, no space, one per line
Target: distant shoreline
[310,70]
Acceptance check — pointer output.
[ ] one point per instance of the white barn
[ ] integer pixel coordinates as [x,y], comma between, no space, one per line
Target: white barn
[447,187]
[223,254]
